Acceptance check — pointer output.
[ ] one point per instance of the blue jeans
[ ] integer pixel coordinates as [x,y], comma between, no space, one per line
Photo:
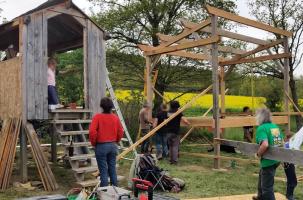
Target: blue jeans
[52,95]
[290,171]
[146,143]
[106,158]
[161,145]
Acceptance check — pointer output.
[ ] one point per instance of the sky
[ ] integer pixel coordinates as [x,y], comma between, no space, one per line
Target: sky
[14,8]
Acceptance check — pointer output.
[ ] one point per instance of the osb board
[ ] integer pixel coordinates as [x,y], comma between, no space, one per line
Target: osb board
[240,197]
[10,88]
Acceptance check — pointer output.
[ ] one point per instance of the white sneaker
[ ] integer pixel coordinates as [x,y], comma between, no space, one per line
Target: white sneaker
[59,106]
[52,107]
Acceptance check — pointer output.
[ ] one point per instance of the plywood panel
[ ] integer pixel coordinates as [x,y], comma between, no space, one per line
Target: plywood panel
[10,88]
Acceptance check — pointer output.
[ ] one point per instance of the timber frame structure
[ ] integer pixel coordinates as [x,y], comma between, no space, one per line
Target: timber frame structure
[221,66]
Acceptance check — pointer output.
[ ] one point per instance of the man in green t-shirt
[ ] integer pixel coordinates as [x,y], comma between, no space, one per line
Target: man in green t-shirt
[268,135]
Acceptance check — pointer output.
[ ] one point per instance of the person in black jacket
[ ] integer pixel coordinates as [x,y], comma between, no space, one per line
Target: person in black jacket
[173,131]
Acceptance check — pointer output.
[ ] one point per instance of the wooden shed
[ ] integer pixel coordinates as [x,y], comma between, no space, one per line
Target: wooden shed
[55,26]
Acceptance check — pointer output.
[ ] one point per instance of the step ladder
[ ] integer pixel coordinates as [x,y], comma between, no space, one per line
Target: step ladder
[127,139]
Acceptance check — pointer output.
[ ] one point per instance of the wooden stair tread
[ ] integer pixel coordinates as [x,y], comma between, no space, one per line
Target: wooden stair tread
[70,111]
[77,121]
[86,169]
[78,144]
[82,156]
[68,133]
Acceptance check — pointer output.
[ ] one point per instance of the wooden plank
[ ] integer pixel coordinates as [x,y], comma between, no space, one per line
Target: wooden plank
[203,155]
[23,156]
[85,64]
[186,33]
[225,49]
[256,59]
[187,45]
[227,34]
[273,153]
[44,169]
[230,122]
[185,54]
[246,21]
[152,132]
[43,69]
[38,65]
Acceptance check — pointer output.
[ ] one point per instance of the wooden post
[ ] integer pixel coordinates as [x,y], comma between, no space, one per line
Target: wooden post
[149,89]
[23,156]
[214,63]
[222,89]
[286,84]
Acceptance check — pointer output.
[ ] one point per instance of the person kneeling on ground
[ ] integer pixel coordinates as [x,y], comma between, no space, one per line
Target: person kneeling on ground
[105,132]
[268,135]
[173,129]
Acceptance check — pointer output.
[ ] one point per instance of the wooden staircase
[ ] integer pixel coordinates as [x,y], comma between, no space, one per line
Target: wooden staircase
[71,127]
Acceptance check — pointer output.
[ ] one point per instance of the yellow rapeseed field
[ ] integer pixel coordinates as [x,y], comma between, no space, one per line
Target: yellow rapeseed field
[231,102]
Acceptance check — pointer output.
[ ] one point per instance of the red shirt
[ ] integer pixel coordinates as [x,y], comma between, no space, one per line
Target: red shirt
[105,128]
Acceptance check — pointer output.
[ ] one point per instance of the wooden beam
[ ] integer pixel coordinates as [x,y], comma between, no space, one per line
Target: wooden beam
[260,48]
[257,59]
[204,155]
[186,33]
[227,34]
[152,132]
[149,91]
[232,122]
[273,153]
[225,49]
[183,46]
[246,21]
[185,54]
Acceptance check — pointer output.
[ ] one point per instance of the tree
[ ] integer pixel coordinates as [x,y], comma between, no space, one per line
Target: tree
[131,22]
[288,15]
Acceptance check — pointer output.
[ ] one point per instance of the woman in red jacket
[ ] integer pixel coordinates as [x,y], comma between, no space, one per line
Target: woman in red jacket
[105,132]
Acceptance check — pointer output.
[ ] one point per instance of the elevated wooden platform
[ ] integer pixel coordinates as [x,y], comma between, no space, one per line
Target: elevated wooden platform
[69,113]
[230,122]
[240,197]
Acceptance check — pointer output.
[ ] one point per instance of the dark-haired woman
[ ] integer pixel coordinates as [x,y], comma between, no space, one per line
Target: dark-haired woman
[105,132]
[173,129]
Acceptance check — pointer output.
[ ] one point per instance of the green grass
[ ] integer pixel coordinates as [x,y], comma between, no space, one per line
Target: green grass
[200,178]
